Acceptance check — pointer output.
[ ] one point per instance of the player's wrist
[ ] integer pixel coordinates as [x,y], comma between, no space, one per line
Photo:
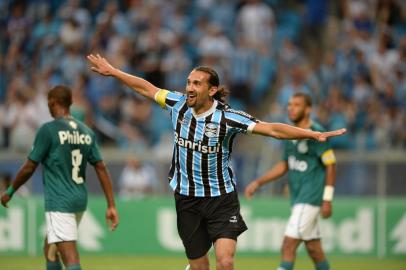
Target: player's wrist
[10,191]
[328,193]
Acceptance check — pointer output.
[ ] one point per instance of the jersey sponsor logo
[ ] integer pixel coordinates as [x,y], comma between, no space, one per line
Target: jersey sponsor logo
[242,113]
[297,165]
[211,130]
[302,147]
[74,137]
[73,124]
[196,145]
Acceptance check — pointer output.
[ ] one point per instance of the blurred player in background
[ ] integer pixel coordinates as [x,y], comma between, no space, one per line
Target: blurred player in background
[64,146]
[207,205]
[312,174]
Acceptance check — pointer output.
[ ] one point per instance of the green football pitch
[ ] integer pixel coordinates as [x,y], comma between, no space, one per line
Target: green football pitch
[179,263]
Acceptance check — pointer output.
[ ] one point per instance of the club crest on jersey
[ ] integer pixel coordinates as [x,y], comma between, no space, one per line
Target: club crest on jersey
[302,147]
[211,130]
[73,124]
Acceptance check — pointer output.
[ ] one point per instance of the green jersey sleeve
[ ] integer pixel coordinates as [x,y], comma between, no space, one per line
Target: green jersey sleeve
[42,143]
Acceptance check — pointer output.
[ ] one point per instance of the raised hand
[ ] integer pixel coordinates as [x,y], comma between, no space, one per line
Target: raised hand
[100,65]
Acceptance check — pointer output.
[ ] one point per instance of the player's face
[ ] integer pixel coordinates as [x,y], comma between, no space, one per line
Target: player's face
[198,89]
[297,109]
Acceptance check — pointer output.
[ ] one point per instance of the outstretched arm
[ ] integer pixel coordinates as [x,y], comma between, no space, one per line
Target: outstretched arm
[277,171]
[139,85]
[105,181]
[284,131]
[23,175]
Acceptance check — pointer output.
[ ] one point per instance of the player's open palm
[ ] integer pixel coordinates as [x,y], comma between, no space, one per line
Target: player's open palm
[100,65]
[323,136]
[112,218]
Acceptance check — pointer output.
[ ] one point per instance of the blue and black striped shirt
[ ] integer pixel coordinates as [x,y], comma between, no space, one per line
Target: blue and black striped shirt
[203,145]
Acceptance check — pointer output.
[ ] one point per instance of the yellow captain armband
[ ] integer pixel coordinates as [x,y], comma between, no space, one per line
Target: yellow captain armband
[160,97]
[328,157]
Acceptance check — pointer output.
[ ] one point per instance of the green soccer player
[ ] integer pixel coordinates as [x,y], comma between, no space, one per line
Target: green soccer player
[312,173]
[64,146]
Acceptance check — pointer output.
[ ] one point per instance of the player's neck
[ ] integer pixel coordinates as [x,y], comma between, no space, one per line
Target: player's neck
[304,123]
[206,107]
[62,113]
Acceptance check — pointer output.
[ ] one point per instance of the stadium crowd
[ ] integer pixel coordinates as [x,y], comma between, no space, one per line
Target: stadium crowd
[350,56]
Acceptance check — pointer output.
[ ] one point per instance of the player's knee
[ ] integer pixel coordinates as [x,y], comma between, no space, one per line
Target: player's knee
[225,263]
[72,260]
[70,257]
[201,266]
[288,247]
[314,252]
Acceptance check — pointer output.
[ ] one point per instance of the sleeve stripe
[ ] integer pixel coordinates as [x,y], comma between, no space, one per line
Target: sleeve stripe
[160,97]
[233,123]
[328,157]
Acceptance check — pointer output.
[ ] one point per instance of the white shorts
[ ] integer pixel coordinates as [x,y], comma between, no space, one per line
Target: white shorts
[303,222]
[62,227]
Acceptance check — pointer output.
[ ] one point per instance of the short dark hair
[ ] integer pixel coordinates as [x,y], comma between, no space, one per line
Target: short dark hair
[61,94]
[307,98]
[214,80]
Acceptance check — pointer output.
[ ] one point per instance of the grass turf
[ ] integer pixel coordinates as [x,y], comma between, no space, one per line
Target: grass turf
[110,262]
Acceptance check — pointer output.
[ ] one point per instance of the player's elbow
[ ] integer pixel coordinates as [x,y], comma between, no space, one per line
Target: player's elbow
[100,166]
[29,167]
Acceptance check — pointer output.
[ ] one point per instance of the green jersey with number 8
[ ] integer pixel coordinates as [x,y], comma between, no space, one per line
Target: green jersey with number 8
[64,146]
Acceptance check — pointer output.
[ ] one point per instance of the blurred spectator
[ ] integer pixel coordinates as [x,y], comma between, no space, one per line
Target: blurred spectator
[176,64]
[256,22]
[383,62]
[20,120]
[115,17]
[294,83]
[71,33]
[137,179]
[152,44]
[17,23]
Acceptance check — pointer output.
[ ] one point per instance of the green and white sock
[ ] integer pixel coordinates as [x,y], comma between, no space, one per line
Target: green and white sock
[285,265]
[54,265]
[74,267]
[324,265]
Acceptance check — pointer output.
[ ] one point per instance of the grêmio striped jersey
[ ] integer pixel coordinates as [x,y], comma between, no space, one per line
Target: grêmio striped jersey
[202,145]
